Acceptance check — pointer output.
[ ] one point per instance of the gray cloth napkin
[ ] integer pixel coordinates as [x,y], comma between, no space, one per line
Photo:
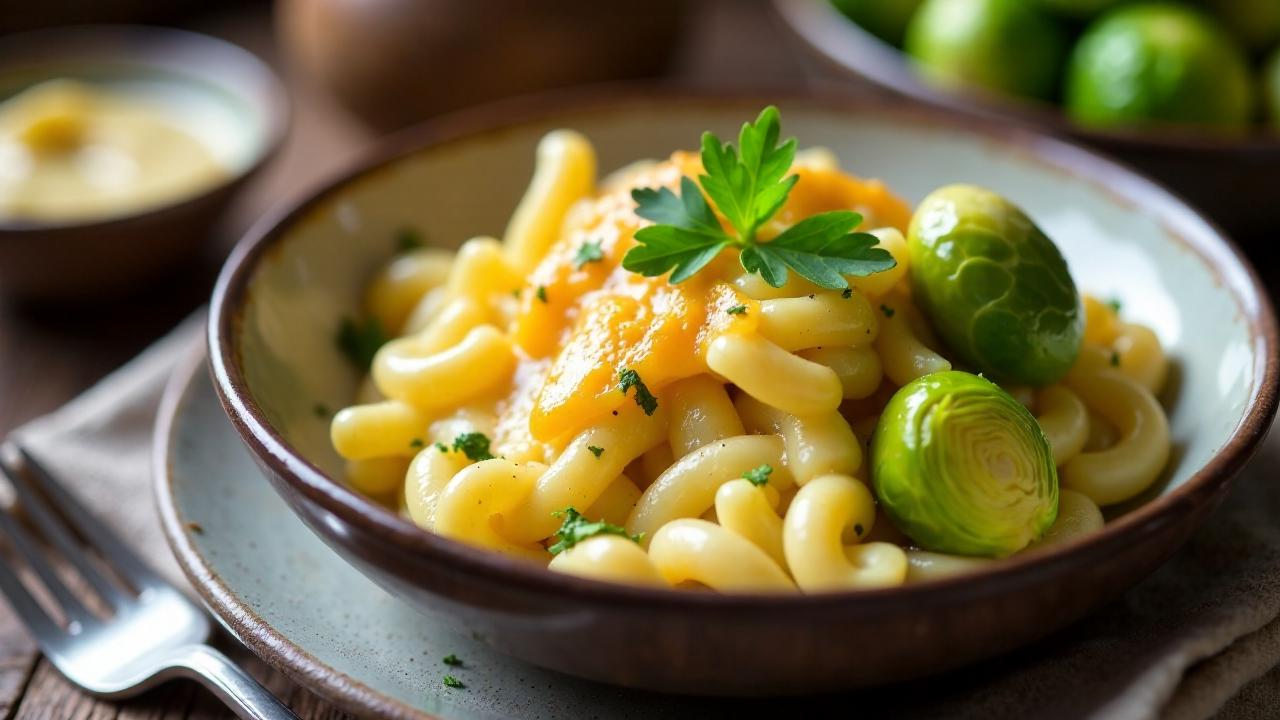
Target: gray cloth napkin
[1179,645]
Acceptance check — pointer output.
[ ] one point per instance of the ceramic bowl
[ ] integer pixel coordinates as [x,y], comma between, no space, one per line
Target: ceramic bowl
[224,95]
[287,286]
[1232,179]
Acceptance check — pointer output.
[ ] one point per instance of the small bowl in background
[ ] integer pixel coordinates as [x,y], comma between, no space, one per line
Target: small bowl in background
[223,95]
[1232,178]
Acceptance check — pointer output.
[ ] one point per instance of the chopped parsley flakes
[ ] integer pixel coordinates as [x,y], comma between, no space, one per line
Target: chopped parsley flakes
[577,528]
[888,311]
[587,252]
[452,660]
[846,293]
[417,444]
[361,341]
[453,682]
[737,310]
[595,450]
[541,293]
[758,476]
[628,379]
[475,445]
[321,410]
[1115,359]
[1115,305]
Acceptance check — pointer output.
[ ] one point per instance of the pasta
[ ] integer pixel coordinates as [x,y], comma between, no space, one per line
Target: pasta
[546,402]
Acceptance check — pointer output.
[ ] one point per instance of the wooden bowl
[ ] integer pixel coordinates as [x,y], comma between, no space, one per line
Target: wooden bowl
[284,291]
[1233,179]
[243,114]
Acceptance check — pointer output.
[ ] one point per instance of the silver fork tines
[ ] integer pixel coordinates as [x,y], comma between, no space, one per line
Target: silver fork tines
[136,630]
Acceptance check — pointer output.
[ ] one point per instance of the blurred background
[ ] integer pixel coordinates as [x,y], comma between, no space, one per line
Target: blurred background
[132,158]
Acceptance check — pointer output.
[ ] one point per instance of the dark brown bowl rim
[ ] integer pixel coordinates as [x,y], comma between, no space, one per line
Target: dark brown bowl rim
[251,629]
[276,107]
[311,483]
[847,47]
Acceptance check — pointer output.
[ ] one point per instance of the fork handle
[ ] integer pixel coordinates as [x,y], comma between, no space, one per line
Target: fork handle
[233,686]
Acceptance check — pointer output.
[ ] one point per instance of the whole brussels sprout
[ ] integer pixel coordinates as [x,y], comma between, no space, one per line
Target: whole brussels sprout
[1159,63]
[994,286]
[1008,46]
[961,467]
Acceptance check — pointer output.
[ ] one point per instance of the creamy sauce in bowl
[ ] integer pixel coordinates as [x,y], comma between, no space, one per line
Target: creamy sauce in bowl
[71,152]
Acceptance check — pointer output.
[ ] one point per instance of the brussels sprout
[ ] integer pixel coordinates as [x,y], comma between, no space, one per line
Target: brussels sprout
[1007,46]
[995,286]
[961,467]
[1159,63]
[886,19]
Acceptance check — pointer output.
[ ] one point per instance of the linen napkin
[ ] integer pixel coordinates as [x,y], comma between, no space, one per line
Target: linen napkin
[1180,645]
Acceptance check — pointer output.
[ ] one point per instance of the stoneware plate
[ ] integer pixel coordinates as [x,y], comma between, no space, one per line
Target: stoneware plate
[285,291]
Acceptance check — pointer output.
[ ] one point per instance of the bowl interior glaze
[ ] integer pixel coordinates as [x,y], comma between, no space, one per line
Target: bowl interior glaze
[1122,239]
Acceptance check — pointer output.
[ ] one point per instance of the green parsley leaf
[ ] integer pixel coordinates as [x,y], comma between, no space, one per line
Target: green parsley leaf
[577,528]
[758,476]
[361,341]
[442,447]
[737,310]
[321,410]
[407,239]
[846,293]
[822,249]
[628,379]
[888,311]
[1115,359]
[453,682]
[417,444]
[541,293]
[748,184]
[587,252]
[596,450]
[475,445]
[1115,305]
[452,660]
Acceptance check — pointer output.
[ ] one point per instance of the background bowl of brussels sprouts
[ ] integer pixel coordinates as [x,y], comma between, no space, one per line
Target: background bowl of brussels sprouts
[1188,92]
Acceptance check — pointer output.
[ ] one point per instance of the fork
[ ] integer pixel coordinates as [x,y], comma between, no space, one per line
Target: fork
[138,631]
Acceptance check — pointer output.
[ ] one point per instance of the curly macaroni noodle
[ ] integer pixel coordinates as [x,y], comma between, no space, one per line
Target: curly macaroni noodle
[733,460]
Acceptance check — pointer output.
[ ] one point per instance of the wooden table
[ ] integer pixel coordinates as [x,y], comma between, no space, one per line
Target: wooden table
[50,354]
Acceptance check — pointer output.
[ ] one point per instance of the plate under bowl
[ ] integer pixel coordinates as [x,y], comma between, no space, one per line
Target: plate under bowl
[284,291]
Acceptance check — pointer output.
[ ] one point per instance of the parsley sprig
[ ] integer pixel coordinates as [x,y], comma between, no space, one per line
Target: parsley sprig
[577,528]
[748,184]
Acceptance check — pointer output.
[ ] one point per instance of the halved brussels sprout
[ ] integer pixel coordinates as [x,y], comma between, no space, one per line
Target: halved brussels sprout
[994,286]
[961,467]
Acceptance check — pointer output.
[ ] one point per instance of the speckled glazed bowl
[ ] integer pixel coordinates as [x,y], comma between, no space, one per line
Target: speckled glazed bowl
[284,291]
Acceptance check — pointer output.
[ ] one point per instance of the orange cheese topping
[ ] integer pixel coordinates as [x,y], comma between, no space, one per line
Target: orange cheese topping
[594,319]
